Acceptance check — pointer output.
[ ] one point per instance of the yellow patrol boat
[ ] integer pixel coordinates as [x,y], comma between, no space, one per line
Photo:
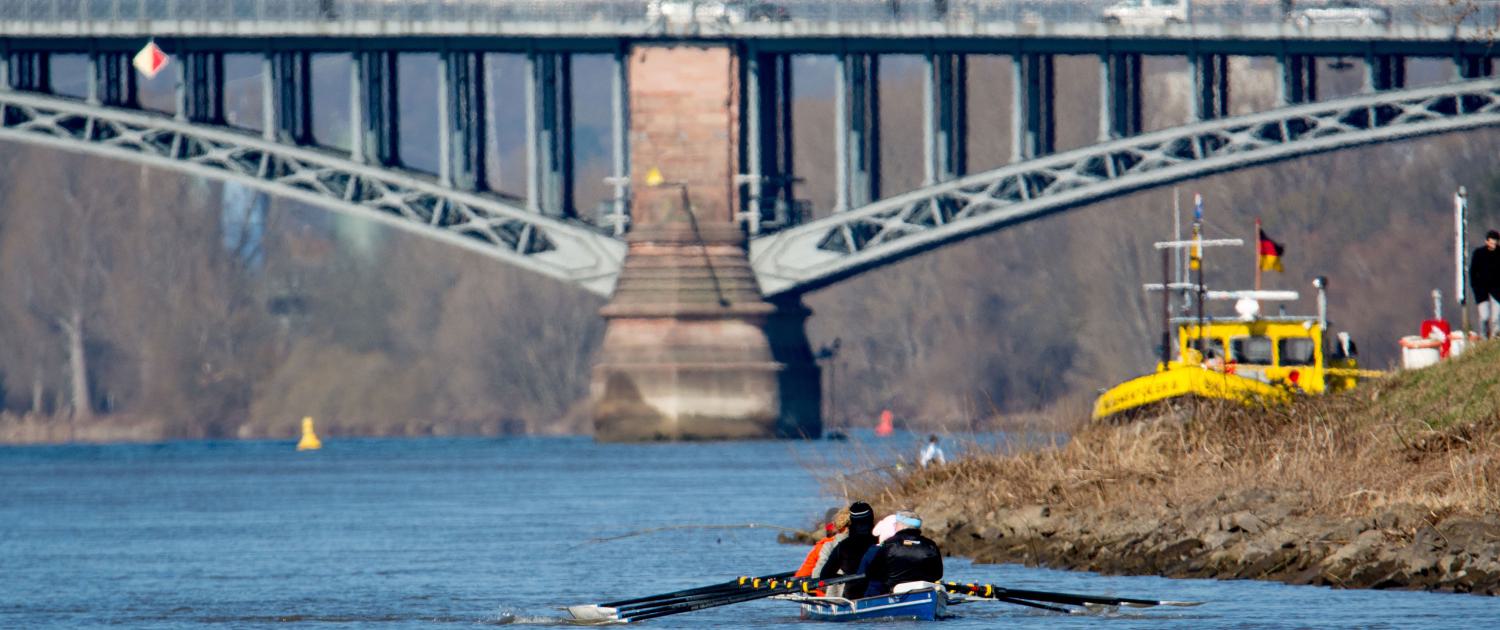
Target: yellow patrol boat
[1250,358]
[1259,360]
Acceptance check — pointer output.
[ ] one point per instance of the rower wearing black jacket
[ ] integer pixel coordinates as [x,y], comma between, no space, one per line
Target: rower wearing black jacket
[907,556]
[845,551]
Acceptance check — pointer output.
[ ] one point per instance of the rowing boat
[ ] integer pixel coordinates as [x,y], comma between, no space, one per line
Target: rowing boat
[922,601]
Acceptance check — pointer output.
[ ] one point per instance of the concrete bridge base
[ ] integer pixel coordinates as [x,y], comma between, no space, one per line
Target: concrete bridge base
[691,350]
[686,355]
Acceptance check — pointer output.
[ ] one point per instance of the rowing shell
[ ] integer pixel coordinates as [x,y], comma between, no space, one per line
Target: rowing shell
[922,601]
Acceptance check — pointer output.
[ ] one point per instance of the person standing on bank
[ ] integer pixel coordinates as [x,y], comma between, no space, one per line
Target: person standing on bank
[1484,279]
[932,452]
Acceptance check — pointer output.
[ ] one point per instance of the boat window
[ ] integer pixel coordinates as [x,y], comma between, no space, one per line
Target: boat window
[1211,348]
[1251,350]
[1296,351]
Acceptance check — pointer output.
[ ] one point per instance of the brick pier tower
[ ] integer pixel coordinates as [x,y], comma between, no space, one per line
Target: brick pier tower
[685,353]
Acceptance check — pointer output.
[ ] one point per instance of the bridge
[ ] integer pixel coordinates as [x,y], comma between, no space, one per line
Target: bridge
[671,250]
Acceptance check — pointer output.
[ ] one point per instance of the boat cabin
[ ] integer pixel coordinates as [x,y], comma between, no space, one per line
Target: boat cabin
[1284,350]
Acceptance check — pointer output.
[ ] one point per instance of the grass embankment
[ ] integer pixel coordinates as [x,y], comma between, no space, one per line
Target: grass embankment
[1395,484]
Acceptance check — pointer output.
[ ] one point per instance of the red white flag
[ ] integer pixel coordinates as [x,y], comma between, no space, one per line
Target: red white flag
[150,60]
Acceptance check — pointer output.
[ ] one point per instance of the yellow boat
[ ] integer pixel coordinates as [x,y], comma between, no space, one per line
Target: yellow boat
[1249,358]
[1259,360]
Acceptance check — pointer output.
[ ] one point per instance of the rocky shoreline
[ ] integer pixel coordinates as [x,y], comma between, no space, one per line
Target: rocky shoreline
[1255,535]
[1252,536]
[1390,486]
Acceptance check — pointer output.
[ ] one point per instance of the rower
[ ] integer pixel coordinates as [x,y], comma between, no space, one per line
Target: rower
[836,525]
[842,555]
[905,556]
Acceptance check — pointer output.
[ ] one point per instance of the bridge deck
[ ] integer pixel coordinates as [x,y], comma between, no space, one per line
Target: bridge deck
[1423,21]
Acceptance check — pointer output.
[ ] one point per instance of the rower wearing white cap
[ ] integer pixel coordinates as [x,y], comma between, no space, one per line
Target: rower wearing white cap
[905,555]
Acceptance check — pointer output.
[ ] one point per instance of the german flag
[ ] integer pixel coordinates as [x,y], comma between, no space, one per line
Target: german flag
[1270,254]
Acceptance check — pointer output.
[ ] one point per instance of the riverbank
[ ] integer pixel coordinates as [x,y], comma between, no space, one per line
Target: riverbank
[1393,485]
[36,429]
[29,429]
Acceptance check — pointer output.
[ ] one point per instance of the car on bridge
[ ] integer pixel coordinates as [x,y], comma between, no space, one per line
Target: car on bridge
[1341,13]
[1146,12]
[697,11]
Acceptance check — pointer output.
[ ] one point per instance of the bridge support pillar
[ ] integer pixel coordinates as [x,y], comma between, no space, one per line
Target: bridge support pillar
[1474,66]
[1033,119]
[200,87]
[1210,86]
[686,354]
[1299,79]
[549,133]
[858,123]
[1385,72]
[374,108]
[767,194]
[461,128]
[112,80]
[29,71]
[619,136]
[288,97]
[1120,95]
[945,118]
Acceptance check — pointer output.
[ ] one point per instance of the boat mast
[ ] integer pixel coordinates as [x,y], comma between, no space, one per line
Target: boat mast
[1166,309]
[1196,261]
[1255,245]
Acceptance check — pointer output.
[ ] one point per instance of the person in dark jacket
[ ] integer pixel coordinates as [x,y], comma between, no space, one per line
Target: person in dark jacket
[907,556]
[845,553]
[1484,279]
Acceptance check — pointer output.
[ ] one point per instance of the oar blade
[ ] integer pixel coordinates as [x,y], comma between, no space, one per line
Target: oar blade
[1164,602]
[591,612]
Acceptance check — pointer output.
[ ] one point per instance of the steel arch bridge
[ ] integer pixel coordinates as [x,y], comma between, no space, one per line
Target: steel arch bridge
[481,223]
[821,252]
[794,260]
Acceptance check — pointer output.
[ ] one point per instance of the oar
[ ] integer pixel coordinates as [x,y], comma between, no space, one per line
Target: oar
[744,584]
[760,591]
[730,585]
[1022,602]
[607,610]
[1073,599]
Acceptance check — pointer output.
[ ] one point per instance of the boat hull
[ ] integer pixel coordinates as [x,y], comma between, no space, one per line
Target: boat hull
[1183,383]
[922,605]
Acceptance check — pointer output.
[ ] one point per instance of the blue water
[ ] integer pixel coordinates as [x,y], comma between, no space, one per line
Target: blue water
[469,532]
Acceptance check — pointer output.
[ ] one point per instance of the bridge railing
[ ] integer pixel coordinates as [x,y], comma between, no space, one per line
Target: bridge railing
[51,11]
[1479,14]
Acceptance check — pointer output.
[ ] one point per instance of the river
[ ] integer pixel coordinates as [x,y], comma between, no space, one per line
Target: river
[407,533]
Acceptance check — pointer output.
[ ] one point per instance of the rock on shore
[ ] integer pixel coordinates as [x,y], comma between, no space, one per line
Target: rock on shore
[1254,535]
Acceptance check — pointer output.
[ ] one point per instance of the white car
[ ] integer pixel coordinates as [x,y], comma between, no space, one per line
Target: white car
[1146,12]
[690,11]
[1340,12]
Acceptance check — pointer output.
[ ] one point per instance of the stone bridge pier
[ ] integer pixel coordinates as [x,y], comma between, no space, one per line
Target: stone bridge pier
[691,349]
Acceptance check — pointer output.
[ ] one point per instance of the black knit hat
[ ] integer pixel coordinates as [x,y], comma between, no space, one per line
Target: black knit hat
[1492,235]
[861,517]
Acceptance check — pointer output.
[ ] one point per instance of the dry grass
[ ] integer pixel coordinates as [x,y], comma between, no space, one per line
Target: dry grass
[1429,438]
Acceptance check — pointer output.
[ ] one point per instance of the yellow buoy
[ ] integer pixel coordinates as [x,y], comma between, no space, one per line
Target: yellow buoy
[310,441]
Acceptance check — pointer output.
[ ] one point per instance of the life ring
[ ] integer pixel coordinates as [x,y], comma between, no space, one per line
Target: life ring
[1415,342]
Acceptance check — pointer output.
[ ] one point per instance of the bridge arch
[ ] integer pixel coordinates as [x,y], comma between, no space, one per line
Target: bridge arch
[479,223]
[822,252]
